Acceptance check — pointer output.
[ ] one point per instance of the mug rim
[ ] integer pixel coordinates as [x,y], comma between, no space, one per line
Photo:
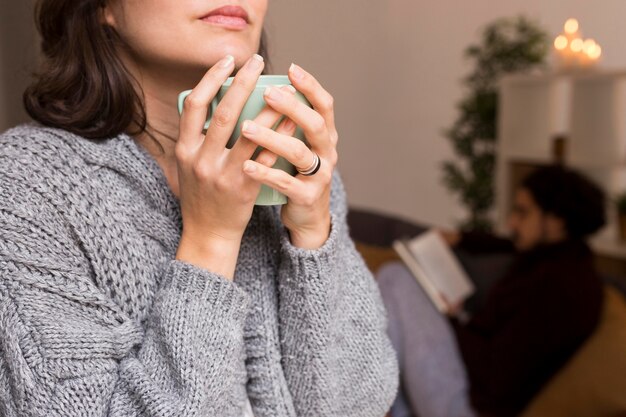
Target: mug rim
[264,81]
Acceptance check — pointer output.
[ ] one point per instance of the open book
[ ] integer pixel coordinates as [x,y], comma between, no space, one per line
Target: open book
[435,268]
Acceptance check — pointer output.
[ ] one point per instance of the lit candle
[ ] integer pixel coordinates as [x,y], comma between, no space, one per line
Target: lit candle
[561,42]
[571,26]
[572,51]
[595,53]
[576,45]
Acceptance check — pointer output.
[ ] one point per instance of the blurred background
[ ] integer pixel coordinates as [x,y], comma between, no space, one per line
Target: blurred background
[395,68]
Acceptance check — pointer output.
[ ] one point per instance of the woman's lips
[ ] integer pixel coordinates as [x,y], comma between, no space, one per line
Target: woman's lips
[227,21]
[230,17]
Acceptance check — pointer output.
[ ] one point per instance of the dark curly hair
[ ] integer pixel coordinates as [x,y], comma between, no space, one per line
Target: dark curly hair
[82,85]
[570,196]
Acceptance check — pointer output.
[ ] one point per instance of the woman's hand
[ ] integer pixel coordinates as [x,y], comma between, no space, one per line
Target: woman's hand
[307,212]
[216,197]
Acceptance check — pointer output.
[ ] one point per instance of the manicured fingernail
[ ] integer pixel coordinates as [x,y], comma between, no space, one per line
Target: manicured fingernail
[227,61]
[273,93]
[256,62]
[296,72]
[249,166]
[249,127]
[291,88]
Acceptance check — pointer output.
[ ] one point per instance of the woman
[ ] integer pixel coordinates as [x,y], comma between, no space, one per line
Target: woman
[137,276]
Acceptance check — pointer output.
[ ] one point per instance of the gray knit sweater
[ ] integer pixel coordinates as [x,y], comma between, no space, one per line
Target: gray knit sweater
[98,319]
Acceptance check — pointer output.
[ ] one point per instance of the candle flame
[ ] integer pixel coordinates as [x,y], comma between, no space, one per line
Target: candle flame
[595,53]
[589,45]
[561,42]
[577,45]
[574,51]
[571,26]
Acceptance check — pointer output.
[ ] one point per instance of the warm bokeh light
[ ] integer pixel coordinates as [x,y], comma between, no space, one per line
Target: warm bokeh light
[577,45]
[589,45]
[571,26]
[560,42]
[575,52]
[595,53]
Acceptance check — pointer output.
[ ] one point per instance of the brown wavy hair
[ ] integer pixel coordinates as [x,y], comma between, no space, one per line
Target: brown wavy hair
[82,85]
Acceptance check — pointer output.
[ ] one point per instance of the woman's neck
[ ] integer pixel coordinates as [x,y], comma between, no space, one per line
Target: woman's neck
[160,94]
[159,100]
[161,133]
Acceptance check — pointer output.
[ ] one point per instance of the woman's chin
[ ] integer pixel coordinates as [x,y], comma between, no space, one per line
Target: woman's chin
[240,50]
[190,67]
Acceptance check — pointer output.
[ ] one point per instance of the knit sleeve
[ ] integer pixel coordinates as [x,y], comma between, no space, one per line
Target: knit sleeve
[68,350]
[337,357]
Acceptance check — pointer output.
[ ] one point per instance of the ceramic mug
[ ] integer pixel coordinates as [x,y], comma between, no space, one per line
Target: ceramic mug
[256,102]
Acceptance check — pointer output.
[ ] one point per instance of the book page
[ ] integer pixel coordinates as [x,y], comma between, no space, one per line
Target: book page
[418,273]
[441,266]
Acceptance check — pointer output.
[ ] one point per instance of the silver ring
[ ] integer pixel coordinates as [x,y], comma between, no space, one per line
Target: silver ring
[315,166]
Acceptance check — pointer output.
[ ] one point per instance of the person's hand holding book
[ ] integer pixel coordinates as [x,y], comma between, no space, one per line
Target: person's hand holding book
[451,237]
[452,309]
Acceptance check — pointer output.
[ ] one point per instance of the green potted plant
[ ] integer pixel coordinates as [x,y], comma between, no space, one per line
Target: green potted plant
[509,45]
[620,204]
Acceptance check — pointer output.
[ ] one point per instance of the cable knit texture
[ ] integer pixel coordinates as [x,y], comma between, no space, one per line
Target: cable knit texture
[97,318]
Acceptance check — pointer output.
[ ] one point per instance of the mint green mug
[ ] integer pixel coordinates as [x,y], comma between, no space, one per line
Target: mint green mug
[256,102]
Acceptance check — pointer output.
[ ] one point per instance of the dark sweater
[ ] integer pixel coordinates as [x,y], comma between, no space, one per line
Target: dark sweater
[532,322]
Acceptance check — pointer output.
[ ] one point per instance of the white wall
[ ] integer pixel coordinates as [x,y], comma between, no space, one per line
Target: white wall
[394,68]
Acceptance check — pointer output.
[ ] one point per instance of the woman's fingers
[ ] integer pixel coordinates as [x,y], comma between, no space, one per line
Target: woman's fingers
[244,148]
[311,122]
[321,100]
[266,158]
[196,104]
[298,191]
[224,119]
[290,148]
[295,189]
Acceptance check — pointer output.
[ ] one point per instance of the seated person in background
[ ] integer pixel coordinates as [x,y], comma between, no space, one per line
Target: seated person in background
[531,323]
